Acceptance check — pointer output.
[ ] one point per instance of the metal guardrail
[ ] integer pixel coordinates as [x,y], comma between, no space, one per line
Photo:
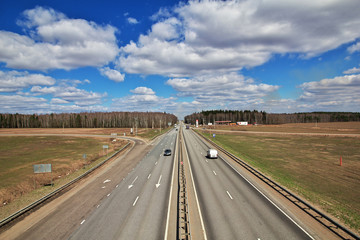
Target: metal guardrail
[183,207]
[41,200]
[321,217]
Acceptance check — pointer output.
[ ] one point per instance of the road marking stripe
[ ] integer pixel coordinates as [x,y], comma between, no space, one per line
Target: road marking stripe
[117,186]
[269,200]
[135,200]
[214,173]
[158,184]
[196,197]
[169,205]
[82,222]
[149,176]
[132,184]
[156,162]
[229,195]
[109,194]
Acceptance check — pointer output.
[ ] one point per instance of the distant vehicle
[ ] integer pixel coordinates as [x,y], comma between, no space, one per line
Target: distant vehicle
[187,126]
[167,152]
[212,153]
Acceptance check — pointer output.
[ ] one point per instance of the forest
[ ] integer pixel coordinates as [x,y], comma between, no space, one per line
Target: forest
[262,117]
[88,120]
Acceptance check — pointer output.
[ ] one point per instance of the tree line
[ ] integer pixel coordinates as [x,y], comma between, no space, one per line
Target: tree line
[88,120]
[262,117]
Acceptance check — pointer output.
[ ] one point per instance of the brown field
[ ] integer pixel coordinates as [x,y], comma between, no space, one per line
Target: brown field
[19,186]
[305,159]
[324,128]
[99,131]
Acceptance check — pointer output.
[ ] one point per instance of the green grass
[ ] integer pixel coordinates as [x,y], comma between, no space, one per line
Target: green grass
[307,165]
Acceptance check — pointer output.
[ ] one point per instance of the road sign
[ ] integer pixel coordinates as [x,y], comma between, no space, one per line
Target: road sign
[214,135]
[84,155]
[106,146]
[42,168]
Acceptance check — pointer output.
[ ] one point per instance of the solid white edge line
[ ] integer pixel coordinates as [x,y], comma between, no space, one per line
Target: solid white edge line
[229,195]
[169,205]
[269,200]
[135,200]
[196,197]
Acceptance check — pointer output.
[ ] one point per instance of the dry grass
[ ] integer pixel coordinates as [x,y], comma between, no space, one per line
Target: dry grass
[307,164]
[19,154]
[327,128]
[19,186]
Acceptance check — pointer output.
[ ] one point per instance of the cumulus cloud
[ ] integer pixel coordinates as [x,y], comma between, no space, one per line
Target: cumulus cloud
[202,37]
[354,48]
[13,81]
[132,20]
[142,99]
[216,89]
[112,74]
[143,91]
[22,104]
[57,42]
[58,101]
[352,71]
[341,92]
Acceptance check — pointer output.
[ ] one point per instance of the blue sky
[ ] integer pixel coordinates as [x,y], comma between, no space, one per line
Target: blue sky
[179,57]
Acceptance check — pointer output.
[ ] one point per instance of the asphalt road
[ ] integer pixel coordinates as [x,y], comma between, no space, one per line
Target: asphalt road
[138,205]
[231,207]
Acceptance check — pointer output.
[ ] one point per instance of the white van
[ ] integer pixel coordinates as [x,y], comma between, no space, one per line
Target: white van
[212,153]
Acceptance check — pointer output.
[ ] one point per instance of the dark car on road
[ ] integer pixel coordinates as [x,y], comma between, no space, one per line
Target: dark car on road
[167,152]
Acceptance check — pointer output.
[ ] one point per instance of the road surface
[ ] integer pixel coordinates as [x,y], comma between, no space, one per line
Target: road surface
[231,207]
[137,207]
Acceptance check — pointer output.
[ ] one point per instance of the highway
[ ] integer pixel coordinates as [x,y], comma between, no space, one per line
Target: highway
[137,207]
[231,207]
[113,205]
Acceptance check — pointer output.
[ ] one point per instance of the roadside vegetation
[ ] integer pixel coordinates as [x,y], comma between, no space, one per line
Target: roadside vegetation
[308,165]
[152,133]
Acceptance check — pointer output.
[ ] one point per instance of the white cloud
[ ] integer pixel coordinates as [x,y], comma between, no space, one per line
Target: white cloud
[112,74]
[354,48]
[221,88]
[143,99]
[143,91]
[132,20]
[339,93]
[57,42]
[70,94]
[203,37]
[58,101]
[22,104]
[13,81]
[352,71]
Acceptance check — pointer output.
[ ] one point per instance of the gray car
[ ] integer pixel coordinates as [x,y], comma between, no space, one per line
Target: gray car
[167,152]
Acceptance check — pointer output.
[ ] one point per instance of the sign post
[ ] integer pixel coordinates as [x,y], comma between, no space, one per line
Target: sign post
[43,168]
[106,147]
